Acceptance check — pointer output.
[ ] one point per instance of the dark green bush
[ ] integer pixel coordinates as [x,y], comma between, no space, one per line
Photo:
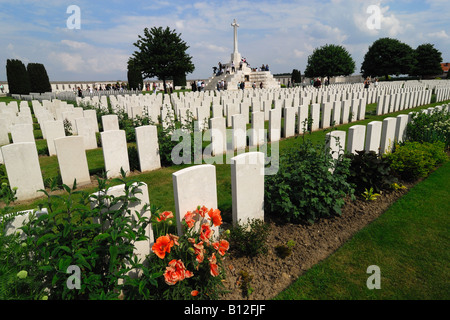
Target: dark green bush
[369,170]
[413,160]
[309,184]
[133,158]
[249,239]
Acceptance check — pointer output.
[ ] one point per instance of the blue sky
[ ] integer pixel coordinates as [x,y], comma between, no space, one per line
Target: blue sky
[279,33]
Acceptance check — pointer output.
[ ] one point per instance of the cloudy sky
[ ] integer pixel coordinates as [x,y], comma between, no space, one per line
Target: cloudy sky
[279,33]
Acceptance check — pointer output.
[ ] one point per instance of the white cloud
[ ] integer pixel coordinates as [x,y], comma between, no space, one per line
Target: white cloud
[440,35]
[281,33]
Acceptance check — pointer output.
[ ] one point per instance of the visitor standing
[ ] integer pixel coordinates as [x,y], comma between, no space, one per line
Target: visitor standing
[367,83]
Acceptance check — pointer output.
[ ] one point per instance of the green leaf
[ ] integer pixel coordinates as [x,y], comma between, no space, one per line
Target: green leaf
[46,238]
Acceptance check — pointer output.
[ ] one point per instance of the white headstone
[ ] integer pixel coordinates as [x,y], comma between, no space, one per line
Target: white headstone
[289,122]
[335,140]
[115,152]
[22,133]
[388,135]
[148,148]
[23,170]
[54,130]
[275,124]
[356,136]
[315,116]
[373,136]
[142,206]
[218,135]
[72,160]
[193,187]
[87,131]
[110,122]
[257,137]
[400,130]
[239,123]
[247,185]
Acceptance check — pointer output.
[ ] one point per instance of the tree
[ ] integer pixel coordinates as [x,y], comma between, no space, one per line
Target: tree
[17,75]
[330,61]
[162,54]
[386,57]
[179,80]
[134,74]
[428,61]
[39,80]
[296,76]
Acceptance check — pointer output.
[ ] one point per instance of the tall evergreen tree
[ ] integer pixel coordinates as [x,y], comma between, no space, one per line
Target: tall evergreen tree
[39,80]
[296,76]
[135,80]
[17,76]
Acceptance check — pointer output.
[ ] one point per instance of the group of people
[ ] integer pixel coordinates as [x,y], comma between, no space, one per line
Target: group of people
[368,81]
[222,85]
[197,85]
[231,68]
[153,87]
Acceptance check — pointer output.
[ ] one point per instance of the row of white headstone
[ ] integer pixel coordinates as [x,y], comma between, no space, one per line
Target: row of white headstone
[193,187]
[377,136]
[442,93]
[24,172]
[401,101]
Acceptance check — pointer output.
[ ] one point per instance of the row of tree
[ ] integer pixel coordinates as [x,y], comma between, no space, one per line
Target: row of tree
[385,57]
[23,80]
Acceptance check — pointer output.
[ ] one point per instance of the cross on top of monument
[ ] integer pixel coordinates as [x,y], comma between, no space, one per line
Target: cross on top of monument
[235,25]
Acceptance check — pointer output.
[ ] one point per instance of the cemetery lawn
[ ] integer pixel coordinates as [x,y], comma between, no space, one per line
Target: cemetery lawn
[395,245]
[409,243]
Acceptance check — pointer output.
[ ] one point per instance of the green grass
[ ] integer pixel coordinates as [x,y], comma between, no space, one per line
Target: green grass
[409,243]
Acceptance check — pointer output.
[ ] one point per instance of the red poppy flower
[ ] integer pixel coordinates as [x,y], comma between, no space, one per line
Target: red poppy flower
[206,232]
[221,246]
[194,293]
[176,271]
[215,217]
[189,218]
[162,245]
[164,216]
[213,267]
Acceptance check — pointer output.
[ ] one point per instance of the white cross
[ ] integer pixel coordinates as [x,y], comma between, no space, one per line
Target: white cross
[235,26]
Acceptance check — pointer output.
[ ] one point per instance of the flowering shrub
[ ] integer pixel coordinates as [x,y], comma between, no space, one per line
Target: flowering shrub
[433,127]
[187,266]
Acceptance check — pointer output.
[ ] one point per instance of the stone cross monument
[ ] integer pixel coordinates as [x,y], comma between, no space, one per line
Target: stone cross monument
[235,56]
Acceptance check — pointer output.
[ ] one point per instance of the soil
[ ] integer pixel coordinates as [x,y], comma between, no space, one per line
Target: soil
[313,243]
